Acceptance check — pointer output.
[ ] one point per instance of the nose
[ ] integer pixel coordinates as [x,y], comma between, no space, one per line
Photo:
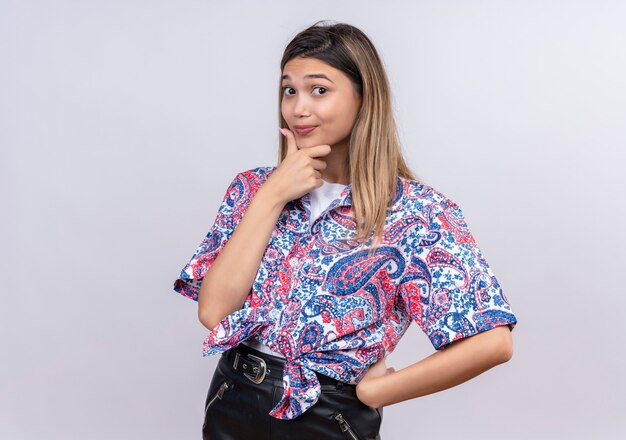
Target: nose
[300,108]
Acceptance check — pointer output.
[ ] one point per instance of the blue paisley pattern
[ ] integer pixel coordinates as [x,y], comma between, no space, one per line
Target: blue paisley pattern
[328,307]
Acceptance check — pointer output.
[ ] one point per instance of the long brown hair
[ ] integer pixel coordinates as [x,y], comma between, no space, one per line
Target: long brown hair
[375,159]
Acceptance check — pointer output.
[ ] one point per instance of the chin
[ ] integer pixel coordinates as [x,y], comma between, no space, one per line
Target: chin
[305,144]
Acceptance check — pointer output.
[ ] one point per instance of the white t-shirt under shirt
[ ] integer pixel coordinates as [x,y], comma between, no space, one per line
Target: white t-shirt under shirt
[321,198]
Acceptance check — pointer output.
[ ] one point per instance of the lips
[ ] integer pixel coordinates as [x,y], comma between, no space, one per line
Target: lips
[304,129]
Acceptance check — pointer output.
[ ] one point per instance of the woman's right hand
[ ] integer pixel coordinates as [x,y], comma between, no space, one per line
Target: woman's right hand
[299,172]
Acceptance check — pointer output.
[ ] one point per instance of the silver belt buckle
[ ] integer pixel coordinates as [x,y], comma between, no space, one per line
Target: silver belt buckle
[260,372]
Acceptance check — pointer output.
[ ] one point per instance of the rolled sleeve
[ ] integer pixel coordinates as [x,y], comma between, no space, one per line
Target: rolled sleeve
[234,328]
[230,212]
[448,287]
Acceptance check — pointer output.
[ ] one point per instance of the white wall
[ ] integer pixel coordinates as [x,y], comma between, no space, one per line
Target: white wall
[121,126]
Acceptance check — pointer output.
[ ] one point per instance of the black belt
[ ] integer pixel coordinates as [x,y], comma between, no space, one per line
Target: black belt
[258,366]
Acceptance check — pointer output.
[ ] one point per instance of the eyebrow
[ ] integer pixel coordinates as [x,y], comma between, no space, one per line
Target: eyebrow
[312,75]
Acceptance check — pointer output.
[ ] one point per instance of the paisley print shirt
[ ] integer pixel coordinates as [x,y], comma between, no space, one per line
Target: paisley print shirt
[329,307]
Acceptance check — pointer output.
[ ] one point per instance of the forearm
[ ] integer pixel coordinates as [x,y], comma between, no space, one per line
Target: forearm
[460,361]
[227,283]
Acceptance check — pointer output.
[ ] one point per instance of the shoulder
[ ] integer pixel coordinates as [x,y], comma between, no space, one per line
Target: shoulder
[431,211]
[242,188]
[417,196]
[256,175]
[246,183]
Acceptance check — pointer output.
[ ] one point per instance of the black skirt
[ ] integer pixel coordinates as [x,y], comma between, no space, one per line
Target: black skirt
[237,407]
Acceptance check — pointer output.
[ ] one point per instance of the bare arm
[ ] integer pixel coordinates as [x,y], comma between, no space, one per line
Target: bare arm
[227,283]
[460,361]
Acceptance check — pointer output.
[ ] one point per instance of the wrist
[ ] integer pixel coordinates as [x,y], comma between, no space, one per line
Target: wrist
[271,197]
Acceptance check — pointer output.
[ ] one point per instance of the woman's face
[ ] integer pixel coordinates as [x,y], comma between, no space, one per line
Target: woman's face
[317,94]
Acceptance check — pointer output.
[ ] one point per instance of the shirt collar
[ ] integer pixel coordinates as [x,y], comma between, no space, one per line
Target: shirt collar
[345,197]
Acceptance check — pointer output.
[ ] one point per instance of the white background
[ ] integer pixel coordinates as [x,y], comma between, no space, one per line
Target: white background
[123,122]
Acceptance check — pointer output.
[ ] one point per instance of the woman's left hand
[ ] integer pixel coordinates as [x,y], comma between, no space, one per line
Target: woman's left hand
[364,390]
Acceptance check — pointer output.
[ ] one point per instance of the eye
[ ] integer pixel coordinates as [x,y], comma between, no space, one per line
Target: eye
[291,88]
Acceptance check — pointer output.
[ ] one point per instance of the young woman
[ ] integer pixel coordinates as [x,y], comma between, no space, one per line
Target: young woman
[315,268]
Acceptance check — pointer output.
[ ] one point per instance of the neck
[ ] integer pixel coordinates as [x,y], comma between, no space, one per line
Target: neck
[336,170]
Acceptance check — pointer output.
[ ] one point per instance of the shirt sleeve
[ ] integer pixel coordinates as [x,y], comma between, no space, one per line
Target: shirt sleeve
[448,287]
[231,210]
